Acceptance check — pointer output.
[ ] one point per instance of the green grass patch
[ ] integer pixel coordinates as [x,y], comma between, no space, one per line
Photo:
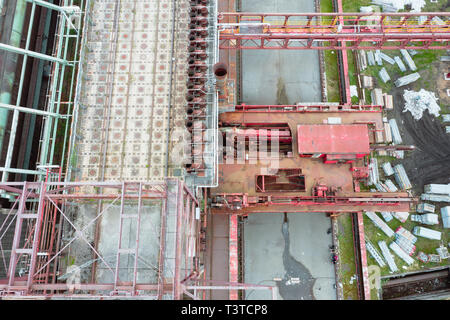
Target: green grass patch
[423,61]
[353,6]
[425,57]
[441,5]
[332,74]
[428,246]
[347,257]
[383,159]
[326,6]
[351,68]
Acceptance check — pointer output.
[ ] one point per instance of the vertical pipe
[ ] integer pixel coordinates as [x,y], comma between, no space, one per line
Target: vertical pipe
[35,99]
[15,120]
[220,72]
[16,36]
[48,124]
[72,106]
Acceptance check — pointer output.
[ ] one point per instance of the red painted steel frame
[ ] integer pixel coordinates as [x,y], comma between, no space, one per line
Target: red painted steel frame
[363,252]
[308,108]
[324,31]
[49,199]
[233,252]
[356,201]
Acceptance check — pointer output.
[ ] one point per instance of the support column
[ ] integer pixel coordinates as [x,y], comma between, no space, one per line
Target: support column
[363,253]
[233,252]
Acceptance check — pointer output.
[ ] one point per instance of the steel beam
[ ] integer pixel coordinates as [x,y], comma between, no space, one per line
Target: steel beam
[22,171]
[48,5]
[33,54]
[48,193]
[32,111]
[309,107]
[354,31]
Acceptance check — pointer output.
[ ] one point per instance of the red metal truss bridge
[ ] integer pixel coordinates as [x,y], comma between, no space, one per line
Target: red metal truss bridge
[323,31]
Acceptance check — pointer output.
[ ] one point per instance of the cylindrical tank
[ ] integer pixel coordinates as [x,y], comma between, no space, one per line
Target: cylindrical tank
[199,10]
[220,70]
[198,54]
[199,32]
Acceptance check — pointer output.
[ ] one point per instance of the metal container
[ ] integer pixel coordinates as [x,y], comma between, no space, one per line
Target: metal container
[401,177]
[424,207]
[387,168]
[435,188]
[396,137]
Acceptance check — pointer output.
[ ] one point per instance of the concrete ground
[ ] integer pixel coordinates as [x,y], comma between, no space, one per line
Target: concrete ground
[218,263]
[300,249]
[277,76]
[148,251]
[308,257]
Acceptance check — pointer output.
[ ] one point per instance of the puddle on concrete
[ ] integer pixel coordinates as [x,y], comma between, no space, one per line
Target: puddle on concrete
[297,283]
[282,98]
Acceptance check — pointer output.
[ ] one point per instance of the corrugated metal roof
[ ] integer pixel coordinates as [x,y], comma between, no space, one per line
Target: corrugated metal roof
[333,139]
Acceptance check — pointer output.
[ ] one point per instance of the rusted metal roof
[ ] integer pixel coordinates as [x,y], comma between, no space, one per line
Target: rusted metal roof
[333,139]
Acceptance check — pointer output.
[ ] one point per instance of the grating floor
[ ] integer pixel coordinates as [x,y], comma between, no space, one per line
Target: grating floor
[123,117]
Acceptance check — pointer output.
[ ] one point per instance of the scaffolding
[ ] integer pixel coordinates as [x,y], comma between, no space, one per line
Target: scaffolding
[150,248]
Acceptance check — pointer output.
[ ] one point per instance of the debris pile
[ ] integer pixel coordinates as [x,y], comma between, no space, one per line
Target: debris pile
[418,102]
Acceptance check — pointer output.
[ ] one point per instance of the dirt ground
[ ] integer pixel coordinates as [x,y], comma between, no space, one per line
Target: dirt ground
[430,162]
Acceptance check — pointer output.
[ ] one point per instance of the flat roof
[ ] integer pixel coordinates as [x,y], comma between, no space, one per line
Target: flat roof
[333,138]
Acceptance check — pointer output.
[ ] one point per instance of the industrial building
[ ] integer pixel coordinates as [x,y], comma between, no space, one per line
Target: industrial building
[185,149]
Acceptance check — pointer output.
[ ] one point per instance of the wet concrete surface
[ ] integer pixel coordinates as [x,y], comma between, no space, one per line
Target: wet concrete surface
[297,282]
[294,256]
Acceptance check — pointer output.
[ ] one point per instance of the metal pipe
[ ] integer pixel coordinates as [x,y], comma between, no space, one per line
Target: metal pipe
[33,54]
[32,111]
[15,119]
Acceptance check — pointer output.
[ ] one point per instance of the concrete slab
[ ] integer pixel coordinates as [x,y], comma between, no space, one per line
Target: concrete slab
[148,243]
[280,76]
[308,257]
[218,263]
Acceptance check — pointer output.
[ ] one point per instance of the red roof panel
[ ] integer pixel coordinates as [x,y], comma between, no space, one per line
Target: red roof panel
[333,138]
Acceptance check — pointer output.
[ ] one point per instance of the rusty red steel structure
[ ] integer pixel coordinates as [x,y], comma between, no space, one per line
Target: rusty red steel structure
[242,204]
[41,209]
[324,31]
[305,108]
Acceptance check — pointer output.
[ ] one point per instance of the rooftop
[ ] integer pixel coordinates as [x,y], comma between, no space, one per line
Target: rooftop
[333,139]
